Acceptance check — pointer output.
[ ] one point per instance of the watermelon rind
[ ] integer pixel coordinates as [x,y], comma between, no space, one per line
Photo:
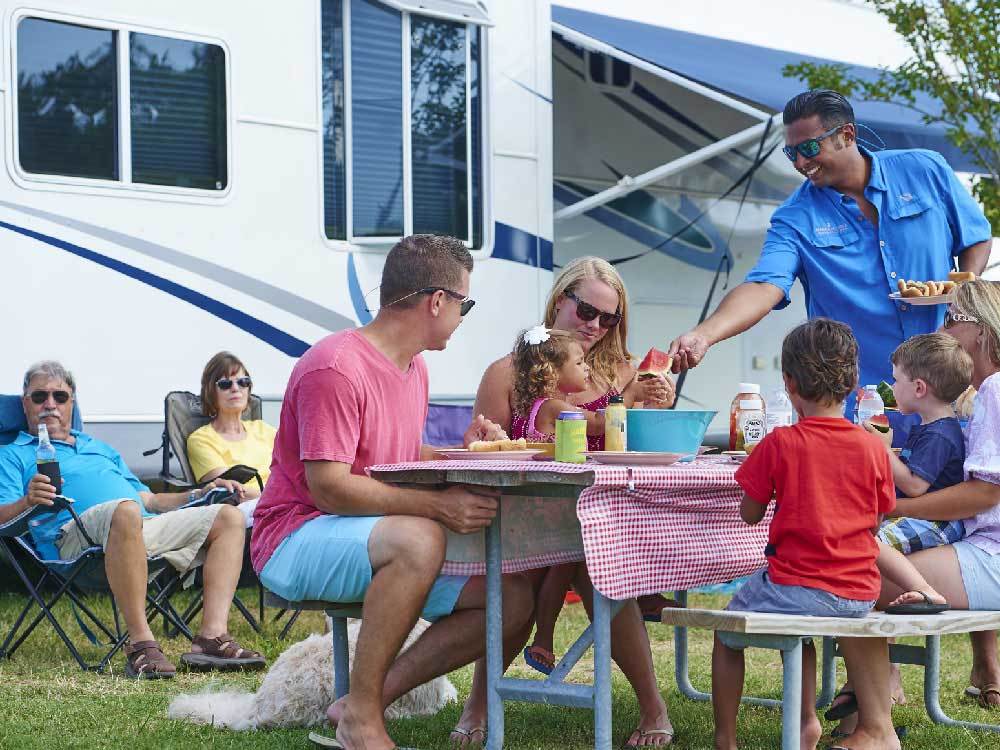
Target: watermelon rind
[888,397]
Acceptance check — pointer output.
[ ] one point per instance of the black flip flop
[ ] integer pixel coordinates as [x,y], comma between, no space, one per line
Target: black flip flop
[842,710]
[926,607]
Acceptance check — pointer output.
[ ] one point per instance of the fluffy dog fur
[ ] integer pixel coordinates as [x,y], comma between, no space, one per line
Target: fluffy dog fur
[297,690]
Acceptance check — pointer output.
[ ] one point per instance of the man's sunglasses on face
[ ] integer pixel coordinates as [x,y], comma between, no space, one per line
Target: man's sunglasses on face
[40,397]
[224,384]
[809,148]
[587,312]
[467,303]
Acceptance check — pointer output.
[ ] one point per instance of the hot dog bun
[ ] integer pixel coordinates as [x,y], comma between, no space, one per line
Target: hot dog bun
[959,276]
[483,446]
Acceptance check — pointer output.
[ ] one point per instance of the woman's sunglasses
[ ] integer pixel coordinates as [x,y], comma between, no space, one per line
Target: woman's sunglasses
[40,397]
[951,318]
[224,384]
[809,148]
[587,312]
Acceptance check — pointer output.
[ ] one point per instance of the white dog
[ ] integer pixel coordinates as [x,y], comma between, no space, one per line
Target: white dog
[298,688]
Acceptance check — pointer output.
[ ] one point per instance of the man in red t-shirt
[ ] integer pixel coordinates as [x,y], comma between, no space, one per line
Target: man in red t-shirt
[324,530]
[831,483]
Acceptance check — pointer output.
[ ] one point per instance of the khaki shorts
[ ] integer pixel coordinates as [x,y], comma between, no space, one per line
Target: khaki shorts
[178,536]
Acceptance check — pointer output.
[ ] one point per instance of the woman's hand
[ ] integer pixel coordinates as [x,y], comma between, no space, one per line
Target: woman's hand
[655,392]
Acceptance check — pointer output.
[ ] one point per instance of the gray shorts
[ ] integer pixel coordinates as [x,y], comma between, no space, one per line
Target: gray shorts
[178,536]
[761,594]
[980,575]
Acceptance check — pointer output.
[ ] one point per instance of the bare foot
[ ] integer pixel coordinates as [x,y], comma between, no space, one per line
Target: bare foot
[918,597]
[354,732]
[860,740]
[542,655]
[470,732]
[655,732]
[979,678]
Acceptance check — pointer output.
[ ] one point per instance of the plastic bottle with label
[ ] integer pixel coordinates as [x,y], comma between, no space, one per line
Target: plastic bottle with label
[780,412]
[747,392]
[615,425]
[870,404]
[751,425]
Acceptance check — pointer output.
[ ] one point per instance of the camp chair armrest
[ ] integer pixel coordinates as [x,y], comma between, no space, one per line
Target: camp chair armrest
[18,525]
[213,497]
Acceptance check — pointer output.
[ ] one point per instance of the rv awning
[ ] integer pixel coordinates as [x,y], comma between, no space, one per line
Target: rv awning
[754,73]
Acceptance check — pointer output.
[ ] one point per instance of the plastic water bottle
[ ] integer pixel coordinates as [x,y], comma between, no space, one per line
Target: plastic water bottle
[780,412]
[869,404]
[45,458]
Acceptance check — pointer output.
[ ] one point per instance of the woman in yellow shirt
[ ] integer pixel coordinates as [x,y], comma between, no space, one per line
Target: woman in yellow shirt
[228,439]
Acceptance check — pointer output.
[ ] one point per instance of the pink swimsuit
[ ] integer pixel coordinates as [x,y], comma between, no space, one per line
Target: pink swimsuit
[521,427]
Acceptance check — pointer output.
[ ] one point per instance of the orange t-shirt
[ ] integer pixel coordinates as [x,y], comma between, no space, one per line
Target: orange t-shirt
[831,481]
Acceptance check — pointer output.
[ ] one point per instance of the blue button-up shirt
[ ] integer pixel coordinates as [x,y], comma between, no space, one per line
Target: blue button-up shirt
[92,473]
[848,267]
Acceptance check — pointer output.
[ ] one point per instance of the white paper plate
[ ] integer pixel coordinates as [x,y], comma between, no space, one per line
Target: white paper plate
[937,299]
[464,454]
[635,458]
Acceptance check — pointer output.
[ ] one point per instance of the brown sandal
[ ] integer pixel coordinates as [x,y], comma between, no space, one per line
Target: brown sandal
[145,661]
[222,653]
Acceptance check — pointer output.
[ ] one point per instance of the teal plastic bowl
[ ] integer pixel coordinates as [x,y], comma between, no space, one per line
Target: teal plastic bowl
[667,430]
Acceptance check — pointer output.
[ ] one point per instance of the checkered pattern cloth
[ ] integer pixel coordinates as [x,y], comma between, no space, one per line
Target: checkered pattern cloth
[645,529]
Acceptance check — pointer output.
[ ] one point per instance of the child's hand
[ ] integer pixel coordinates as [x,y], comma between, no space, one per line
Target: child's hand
[885,437]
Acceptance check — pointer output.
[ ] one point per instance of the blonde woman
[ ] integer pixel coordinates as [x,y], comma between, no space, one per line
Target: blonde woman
[229,440]
[967,573]
[588,299]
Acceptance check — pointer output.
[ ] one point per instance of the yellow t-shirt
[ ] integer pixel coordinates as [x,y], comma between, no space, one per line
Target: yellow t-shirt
[208,450]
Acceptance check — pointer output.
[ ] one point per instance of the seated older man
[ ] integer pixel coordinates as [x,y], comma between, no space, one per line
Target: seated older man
[121,514]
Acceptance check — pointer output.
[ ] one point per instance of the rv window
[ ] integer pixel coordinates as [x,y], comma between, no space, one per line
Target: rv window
[376,119]
[413,168]
[67,110]
[178,111]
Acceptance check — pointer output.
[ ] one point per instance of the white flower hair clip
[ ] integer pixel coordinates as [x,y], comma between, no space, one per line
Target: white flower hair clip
[536,335]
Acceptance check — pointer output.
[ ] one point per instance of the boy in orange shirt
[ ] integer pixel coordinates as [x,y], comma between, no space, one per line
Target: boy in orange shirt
[832,483]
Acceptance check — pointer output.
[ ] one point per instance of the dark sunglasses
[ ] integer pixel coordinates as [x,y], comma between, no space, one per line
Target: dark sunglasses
[40,397]
[587,312]
[809,148]
[224,384]
[467,302]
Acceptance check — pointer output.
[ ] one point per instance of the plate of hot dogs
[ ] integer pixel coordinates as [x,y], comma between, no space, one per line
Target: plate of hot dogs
[930,292]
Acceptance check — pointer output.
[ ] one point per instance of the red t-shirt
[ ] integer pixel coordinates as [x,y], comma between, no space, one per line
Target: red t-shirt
[347,402]
[832,481]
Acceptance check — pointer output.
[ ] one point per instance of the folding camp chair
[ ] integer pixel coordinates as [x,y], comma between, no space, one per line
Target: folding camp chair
[182,415]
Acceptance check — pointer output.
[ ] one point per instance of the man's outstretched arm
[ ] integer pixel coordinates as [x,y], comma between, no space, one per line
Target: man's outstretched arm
[739,310]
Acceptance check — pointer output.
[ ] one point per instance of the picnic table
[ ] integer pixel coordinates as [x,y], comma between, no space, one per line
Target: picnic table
[641,530]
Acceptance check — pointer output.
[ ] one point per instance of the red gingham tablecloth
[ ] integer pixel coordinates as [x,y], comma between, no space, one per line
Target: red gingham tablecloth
[648,529]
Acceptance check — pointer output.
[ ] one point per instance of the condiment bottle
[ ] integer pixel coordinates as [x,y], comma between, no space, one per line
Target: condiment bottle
[615,425]
[747,392]
[751,424]
[571,437]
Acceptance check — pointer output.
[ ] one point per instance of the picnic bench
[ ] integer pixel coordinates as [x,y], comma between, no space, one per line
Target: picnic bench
[786,633]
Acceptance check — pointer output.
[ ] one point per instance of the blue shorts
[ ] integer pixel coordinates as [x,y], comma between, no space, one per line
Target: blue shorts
[910,535]
[326,559]
[980,575]
[761,594]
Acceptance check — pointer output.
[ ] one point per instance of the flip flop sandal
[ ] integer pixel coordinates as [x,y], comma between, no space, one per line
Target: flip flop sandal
[972,692]
[467,734]
[988,689]
[536,663]
[926,607]
[844,709]
[643,734]
[145,661]
[222,653]
[320,740]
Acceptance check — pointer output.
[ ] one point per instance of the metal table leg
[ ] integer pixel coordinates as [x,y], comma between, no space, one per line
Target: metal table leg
[494,635]
[602,671]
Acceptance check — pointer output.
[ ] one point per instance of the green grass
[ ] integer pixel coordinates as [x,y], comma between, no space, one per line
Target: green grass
[46,701]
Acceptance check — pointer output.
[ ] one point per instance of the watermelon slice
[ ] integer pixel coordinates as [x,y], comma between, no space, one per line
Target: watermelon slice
[880,422]
[655,363]
[888,397]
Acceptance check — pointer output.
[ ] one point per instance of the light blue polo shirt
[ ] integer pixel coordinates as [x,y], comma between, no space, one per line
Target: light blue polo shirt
[92,473]
[848,268]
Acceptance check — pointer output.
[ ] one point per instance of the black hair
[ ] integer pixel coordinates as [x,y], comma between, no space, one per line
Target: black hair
[831,106]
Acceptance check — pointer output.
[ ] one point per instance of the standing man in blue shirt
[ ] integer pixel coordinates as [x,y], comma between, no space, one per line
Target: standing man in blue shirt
[859,222]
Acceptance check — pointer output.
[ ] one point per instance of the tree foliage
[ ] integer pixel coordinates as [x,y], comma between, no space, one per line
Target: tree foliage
[956,60]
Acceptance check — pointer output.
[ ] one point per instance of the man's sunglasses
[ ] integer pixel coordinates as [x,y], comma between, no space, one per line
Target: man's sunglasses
[224,384]
[809,148]
[40,397]
[467,303]
[587,312]
[952,318]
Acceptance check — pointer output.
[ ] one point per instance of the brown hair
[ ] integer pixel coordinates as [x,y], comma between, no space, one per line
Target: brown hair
[222,365]
[536,367]
[937,359]
[607,355]
[421,261]
[981,300]
[821,357]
